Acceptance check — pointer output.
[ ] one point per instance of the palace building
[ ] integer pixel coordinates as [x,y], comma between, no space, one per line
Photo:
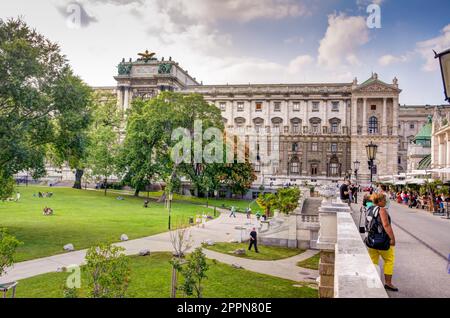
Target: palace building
[322,128]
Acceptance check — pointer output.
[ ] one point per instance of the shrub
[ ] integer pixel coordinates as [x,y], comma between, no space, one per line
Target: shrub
[108,271]
[8,246]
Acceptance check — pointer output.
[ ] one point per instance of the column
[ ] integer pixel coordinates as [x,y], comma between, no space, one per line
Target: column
[447,157]
[364,128]
[395,116]
[384,123]
[119,97]
[354,113]
[326,117]
[126,99]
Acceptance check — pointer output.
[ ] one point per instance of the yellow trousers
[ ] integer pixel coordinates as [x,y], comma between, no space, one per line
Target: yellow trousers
[387,256]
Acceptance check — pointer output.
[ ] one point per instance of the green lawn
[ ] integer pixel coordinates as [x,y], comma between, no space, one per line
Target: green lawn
[311,263]
[266,253]
[240,204]
[83,218]
[151,276]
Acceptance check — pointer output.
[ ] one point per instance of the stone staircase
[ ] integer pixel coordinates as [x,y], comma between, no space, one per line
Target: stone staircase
[311,206]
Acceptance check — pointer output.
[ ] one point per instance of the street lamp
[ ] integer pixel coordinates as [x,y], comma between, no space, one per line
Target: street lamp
[371,155]
[356,168]
[170,206]
[444,60]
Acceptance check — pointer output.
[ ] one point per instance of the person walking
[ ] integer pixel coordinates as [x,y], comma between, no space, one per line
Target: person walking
[248,211]
[344,192]
[381,239]
[253,240]
[355,194]
[233,211]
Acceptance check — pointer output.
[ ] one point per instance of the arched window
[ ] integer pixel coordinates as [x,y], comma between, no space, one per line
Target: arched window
[334,167]
[373,125]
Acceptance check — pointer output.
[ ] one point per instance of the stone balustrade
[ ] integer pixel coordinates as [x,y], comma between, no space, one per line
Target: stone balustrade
[345,268]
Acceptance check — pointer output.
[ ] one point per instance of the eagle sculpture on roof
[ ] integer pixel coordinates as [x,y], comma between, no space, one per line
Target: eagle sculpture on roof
[146,56]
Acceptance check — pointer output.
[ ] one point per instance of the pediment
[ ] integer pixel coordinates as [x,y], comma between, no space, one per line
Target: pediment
[376,86]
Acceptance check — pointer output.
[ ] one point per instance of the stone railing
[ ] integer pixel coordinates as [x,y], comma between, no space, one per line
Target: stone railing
[310,218]
[345,268]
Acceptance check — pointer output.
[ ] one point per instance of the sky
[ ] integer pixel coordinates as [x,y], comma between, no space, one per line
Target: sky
[253,41]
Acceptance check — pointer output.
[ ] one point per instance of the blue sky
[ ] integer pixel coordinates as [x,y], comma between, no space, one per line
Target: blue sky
[256,41]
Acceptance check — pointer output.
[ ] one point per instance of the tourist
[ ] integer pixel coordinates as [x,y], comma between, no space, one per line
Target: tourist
[258,216]
[17,196]
[381,217]
[355,194]
[253,240]
[383,190]
[248,211]
[344,192]
[233,211]
[146,203]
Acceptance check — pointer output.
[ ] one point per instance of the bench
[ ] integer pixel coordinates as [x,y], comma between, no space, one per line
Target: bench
[8,286]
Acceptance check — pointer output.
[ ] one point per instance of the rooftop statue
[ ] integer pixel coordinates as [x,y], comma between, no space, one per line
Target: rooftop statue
[165,68]
[124,68]
[146,56]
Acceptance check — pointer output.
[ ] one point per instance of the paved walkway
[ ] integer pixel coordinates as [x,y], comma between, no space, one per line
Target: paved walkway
[423,244]
[221,229]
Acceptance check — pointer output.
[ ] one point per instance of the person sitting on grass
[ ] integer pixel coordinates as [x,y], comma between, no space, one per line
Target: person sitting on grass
[146,203]
[48,211]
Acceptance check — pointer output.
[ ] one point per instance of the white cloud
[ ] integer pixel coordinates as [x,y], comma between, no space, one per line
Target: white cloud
[300,63]
[343,38]
[390,59]
[439,44]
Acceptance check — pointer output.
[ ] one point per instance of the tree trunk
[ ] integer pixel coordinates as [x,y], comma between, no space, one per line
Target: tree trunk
[136,192]
[106,185]
[78,175]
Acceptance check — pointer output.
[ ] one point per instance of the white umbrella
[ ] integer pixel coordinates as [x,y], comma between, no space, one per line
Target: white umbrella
[403,182]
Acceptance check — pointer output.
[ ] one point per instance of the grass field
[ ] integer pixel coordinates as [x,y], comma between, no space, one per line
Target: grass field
[266,253]
[311,263]
[83,218]
[151,275]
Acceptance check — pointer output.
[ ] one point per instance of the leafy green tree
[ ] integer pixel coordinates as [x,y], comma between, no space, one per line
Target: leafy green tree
[194,273]
[8,246]
[34,76]
[287,199]
[6,186]
[267,201]
[239,177]
[108,271]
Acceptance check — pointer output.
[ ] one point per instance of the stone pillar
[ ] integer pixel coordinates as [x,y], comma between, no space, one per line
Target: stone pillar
[119,97]
[364,125]
[395,116]
[126,98]
[384,123]
[354,112]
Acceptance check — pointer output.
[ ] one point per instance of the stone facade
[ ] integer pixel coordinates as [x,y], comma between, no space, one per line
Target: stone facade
[322,128]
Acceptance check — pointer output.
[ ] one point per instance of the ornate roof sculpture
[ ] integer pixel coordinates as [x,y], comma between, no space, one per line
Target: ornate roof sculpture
[375,85]
[147,56]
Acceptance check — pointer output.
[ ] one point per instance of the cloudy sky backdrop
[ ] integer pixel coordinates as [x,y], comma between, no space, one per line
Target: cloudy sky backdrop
[254,41]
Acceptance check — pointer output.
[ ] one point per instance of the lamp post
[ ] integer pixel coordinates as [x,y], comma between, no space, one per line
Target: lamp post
[444,61]
[356,168]
[371,155]
[170,206]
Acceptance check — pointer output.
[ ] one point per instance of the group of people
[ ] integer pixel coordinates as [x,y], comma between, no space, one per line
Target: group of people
[47,211]
[349,192]
[414,200]
[44,194]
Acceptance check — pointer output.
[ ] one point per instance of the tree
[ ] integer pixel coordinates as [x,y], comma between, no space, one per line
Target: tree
[6,186]
[194,272]
[33,78]
[180,237]
[267,202]
[287,199]
[239,177]
[102,153]
[108,271]
[8,246]
[71,131]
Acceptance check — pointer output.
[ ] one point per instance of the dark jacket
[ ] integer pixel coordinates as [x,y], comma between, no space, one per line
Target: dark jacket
[253,234]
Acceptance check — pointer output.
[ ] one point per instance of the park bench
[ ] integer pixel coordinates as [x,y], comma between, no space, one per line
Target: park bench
[8,286]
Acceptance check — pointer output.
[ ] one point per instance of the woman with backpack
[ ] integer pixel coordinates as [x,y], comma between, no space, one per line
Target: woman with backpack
[381,238]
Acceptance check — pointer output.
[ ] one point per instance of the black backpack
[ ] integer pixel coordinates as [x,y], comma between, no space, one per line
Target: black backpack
[377,238]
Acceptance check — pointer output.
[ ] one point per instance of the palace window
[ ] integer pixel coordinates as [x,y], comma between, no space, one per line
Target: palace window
[295,128]
[277,107]
[257,166]
[373,125]
[334,148]
[335,106]
[314,146]
[294,146]
[334,169]
[315,128]
[315,106]
[412,126]
[373,107]
[258,107]
[334,127]
[295,165]
[240,107]
[314,169]
[296,107]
